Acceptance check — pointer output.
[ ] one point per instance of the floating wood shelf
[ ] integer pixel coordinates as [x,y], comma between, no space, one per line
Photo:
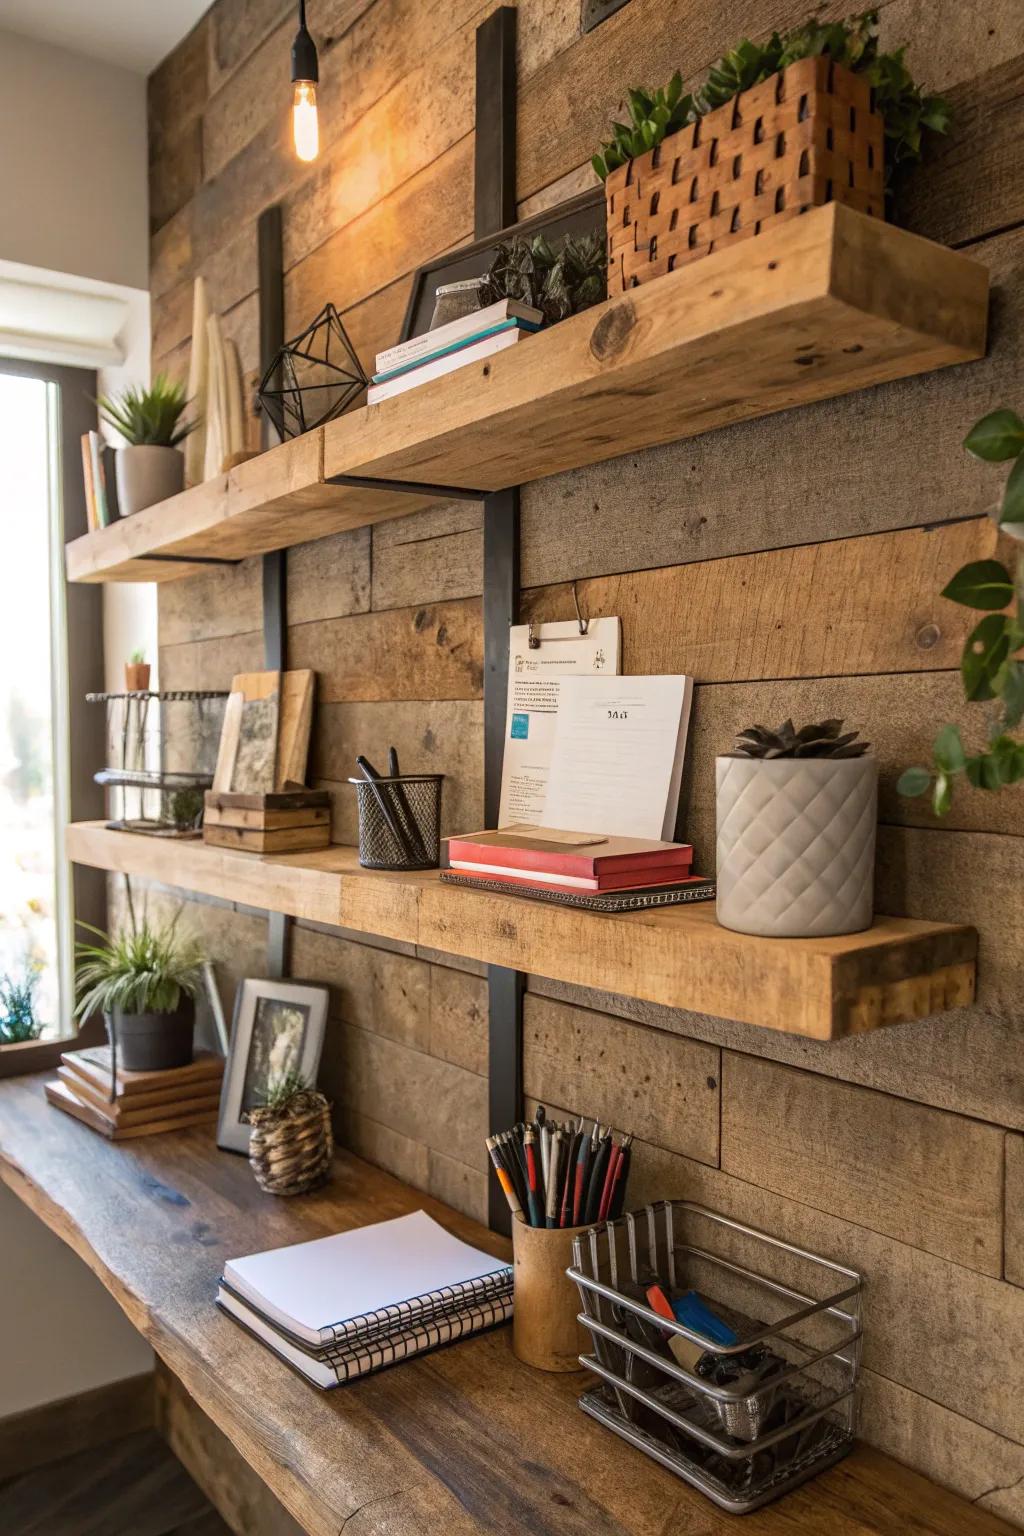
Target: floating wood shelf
[822,988]
[821,306]
[435,1444]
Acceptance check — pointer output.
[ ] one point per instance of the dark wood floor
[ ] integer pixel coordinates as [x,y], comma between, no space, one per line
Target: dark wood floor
[132,1487]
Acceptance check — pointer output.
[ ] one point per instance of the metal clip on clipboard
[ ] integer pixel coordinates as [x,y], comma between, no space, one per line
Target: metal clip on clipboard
[534,639]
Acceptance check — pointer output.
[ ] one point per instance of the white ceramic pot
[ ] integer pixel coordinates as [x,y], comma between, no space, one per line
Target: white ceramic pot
[796,845]
[147,474]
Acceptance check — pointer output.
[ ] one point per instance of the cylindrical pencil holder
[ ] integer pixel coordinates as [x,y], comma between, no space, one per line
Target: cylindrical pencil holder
[400,821]
[545,1333]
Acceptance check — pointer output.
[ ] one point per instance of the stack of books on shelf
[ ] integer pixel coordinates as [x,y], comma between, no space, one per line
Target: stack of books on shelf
[605,873]
[469,339]
[339,1307]
[144,1103]
[100,482]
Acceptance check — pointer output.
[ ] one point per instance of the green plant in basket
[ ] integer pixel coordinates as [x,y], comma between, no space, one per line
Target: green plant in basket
[908,114]
[145,968]
[150,417]
[991,666]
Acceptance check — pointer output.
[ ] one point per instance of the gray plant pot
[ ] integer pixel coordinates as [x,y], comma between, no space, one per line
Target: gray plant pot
[152,1042]
[147,474]
[796,845]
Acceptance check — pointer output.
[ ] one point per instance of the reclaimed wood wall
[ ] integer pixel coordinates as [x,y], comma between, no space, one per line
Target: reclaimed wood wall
[791,564]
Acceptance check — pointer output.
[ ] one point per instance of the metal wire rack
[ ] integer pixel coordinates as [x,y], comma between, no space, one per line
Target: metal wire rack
[161,755]
[753,1417]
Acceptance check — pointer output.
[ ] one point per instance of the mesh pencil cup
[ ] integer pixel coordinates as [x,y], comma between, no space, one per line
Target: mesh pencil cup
[400,821]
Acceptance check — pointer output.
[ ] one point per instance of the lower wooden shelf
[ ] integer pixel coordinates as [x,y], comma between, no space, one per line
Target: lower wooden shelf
[899,969]
[465,1440]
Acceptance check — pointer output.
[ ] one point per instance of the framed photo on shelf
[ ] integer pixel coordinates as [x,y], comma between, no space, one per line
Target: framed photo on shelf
[278,1028]
[580,215]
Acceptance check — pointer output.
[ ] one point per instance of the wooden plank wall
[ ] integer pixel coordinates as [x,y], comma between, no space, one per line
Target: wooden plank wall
[792,564]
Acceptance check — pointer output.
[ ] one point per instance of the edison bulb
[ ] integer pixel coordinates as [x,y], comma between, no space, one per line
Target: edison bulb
[305,128]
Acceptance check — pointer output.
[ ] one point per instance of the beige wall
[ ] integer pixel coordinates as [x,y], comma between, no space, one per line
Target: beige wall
[782,562]
[73,200]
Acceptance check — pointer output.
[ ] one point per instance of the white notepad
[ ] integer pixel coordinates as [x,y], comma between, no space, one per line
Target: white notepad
[355,1283]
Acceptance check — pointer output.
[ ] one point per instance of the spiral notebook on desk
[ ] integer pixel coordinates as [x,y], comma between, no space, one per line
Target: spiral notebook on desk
[339,1307]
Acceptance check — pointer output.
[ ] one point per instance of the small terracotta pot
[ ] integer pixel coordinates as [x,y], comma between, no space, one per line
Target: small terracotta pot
[136,676]
[545,1333]
[147,474]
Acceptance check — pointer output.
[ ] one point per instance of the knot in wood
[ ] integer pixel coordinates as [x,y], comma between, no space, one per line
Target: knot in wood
[612,331]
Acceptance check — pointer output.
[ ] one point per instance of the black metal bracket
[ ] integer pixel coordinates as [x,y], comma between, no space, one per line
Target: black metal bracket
[494,209]
[407,487]
[189,559]
[275,569]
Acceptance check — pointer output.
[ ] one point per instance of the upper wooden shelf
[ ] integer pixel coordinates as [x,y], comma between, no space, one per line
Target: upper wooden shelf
[823,305]
[899,969]
[465,1440]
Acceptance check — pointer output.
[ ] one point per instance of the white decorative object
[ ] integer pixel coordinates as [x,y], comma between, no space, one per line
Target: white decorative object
[796,845]
[195,443]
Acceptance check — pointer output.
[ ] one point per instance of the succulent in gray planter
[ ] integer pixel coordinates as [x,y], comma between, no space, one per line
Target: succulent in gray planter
[151,467]
[797,812]
[144,981]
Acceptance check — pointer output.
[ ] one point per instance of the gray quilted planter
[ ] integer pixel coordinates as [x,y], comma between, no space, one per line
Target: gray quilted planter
[796,845]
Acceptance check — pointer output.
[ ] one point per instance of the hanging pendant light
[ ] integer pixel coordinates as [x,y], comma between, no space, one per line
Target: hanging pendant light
[305,74]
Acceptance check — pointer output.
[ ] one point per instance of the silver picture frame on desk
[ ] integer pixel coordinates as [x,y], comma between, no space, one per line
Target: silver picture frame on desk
[278,1029]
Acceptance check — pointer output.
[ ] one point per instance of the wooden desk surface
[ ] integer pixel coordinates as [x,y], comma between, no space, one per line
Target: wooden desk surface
[462,1441]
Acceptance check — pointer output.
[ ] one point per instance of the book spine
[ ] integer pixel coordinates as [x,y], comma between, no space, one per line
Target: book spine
[90,494]
[613,880]
[410,365]
[441,366]
[442,335]
[581,865]
[97,479]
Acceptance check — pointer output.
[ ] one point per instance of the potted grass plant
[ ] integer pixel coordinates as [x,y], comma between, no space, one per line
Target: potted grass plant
[151,466]
[144,981]
[797,812]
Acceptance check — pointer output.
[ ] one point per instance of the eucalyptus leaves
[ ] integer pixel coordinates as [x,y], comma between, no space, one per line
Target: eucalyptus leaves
[907,113]
[990,666]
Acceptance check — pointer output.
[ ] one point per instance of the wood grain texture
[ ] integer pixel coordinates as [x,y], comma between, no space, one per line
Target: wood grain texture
[928,1178]
[428,652]
[823,988]
[379,1447]
[665,1090]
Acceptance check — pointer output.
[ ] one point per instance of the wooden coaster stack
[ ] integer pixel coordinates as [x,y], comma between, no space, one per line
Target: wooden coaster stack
[145,1103]
[279,823]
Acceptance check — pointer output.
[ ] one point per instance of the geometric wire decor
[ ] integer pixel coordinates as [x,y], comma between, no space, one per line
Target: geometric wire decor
[313,378]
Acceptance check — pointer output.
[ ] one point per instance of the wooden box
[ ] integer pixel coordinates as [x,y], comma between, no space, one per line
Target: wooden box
[274,823]
[804,137]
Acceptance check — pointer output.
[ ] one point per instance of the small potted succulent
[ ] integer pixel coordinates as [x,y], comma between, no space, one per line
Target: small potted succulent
[136,672]
[558,283]
[797,812]
[291,1144]
[151,466]
[144,981]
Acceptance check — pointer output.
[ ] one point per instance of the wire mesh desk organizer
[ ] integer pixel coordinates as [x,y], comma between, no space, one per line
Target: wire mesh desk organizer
[769,1395]
[161,755]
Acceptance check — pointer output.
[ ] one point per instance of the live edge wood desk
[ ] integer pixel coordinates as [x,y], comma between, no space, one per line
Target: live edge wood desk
[461,1441]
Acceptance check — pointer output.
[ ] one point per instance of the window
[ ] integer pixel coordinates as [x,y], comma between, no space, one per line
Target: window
[50,646]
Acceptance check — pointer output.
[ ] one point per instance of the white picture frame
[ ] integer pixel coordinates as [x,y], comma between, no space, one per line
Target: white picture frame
[278,1027]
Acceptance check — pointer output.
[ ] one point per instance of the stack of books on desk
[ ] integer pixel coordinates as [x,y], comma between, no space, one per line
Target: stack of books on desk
[598,871]
[144,1103]
[340,1307]
[469,339]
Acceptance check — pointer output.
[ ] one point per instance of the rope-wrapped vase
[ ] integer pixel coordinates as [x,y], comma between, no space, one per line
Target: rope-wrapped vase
[291,1148]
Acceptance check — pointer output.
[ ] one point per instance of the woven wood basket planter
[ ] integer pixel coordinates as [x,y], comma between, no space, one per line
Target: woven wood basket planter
[291,1150]
[804,137]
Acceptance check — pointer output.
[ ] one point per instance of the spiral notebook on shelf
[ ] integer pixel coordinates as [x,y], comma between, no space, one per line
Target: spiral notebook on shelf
[339,1307]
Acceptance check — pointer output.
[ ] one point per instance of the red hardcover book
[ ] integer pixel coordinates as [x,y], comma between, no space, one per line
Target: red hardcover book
[535,850]
[613,880]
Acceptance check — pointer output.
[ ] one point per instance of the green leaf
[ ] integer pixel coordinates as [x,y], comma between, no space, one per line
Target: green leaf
[997,436]
[949,750]
[913,781]
[942,795]
[1011,691]
[599,166]
[986,649]
[1013,496]
[985,584]
[675,89]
